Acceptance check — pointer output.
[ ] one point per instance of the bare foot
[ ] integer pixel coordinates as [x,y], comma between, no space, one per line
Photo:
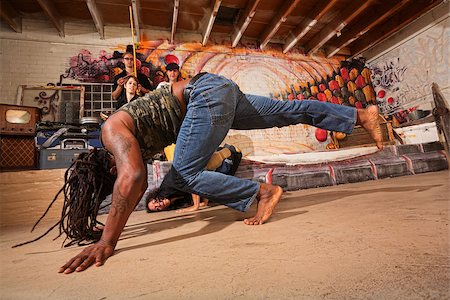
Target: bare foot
[368,119]
[268,198]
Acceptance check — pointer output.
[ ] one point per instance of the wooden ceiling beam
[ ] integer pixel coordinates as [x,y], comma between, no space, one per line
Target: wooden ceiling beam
[96,17]
[11,16]
[336,25]
[378,16]
[176,6]
[391,26]
[211,20]
[53,15]
[243,22]
[279,19]
[136,8]
[301,30]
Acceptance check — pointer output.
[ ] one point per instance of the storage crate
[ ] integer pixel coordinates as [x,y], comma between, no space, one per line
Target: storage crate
[360,137]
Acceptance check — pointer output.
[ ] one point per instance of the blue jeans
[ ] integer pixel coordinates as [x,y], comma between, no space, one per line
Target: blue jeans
[217,105]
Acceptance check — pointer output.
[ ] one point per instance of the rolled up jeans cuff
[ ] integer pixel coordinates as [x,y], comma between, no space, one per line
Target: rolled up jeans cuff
[243,205]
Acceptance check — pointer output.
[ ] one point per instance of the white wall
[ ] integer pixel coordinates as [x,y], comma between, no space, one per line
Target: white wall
[405,65]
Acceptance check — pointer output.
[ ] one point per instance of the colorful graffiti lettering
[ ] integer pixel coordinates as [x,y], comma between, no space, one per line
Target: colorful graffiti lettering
[84,68]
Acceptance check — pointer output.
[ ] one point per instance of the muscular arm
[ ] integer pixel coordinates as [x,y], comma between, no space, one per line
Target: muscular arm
[131,177]
[118,138]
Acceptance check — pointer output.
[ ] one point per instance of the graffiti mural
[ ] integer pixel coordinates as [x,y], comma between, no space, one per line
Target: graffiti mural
[349,85]
[387,77]
[85,68]
[388,74]
[255,71]
[402,78]
[269,73]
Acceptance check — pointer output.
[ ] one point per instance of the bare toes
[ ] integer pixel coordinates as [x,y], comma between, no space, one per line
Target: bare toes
[252,221]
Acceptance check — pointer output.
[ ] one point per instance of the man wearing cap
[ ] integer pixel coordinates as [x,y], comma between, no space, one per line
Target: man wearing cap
[173,74]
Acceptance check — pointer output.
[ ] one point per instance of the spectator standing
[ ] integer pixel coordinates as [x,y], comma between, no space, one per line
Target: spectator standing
[130,85]
[172,73]
[144,86]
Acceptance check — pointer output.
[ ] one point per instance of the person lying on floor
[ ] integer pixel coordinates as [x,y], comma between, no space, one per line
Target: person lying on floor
[179,201]
[225,160]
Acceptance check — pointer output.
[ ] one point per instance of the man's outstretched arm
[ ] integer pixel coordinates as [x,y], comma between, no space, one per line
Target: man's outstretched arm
[128,189]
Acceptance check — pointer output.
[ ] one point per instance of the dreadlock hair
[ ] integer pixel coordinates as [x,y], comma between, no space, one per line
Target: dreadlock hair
[87,182]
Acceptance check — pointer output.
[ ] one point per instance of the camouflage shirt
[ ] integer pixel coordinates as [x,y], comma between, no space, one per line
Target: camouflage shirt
[157,119]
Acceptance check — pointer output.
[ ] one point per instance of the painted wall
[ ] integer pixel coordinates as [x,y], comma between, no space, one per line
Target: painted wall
[403,76]
[37,57]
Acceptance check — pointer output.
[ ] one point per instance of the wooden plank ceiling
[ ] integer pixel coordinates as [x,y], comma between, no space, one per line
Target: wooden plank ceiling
[345,27]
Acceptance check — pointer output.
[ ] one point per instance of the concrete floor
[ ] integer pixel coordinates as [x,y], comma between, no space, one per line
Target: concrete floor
[384,239]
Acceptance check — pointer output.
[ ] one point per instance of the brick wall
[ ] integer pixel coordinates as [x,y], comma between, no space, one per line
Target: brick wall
[38,56]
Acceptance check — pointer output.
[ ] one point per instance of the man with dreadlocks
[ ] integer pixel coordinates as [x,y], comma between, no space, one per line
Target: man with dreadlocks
[196,115]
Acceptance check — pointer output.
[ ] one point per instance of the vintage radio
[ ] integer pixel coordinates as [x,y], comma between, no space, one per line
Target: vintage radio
[18,120]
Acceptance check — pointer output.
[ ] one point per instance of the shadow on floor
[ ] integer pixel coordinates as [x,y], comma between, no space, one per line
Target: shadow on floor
[219,219]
